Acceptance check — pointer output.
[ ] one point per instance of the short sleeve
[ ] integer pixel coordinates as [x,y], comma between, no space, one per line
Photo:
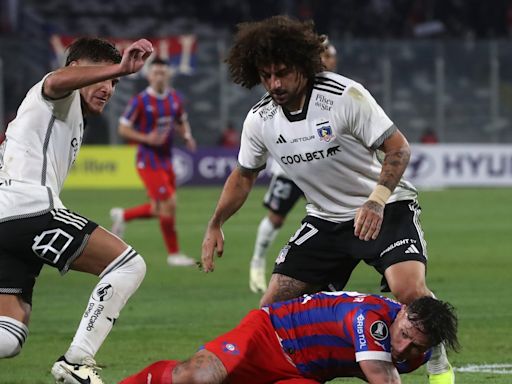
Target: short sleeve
[372,340]
[364,118]
[131,112]
[253,153]
[59,107]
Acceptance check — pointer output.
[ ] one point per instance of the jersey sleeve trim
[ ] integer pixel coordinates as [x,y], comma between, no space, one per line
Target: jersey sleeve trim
[240,166]
[384,136]
[373,355]
[125,121]
[48,98]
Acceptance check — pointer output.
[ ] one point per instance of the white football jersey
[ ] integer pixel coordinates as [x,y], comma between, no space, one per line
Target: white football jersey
[276,169]
[329,149]
[41,144]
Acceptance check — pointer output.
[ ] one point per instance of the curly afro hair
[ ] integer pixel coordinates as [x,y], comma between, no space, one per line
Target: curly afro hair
[276,40]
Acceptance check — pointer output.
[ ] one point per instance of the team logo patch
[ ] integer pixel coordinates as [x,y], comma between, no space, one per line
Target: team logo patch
[282,254]
[379,330]
[51,244]
[325,133]
[230,348]
[103,292]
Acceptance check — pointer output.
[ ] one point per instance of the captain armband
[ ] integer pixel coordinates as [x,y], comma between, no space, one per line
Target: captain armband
[380,194]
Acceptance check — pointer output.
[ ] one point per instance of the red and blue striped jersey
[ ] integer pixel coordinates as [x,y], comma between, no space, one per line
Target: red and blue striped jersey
[328,333]
[148,111]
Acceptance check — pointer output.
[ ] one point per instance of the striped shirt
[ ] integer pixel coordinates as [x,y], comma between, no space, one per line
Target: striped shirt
[327,334]
[148,111]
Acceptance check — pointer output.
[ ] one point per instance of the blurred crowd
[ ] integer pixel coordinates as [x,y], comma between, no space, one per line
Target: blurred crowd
[338,18]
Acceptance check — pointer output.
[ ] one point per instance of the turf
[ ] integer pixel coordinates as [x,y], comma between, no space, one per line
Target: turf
[176,310]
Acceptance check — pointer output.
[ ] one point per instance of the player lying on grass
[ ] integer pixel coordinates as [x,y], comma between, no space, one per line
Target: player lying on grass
[316,338]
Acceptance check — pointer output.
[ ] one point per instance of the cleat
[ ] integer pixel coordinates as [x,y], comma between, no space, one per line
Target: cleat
[447,377]
[118,223]
[257,280]
[180,260]
[86,372]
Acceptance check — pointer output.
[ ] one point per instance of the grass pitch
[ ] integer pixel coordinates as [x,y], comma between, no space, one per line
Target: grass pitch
[176,310]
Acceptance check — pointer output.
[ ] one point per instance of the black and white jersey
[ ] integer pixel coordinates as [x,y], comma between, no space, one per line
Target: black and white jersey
[41,144]
[329,148]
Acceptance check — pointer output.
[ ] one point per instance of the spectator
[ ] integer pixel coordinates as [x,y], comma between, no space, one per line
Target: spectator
[230,137]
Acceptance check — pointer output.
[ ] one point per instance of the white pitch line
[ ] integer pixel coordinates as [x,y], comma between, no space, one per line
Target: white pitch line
[502,369]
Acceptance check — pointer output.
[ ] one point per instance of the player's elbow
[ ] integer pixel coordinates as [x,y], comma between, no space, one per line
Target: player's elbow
[123,130]
[191,375]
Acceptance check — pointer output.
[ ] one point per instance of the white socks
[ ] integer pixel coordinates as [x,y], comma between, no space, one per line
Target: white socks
[264,238]
[438,362]
[13,334]
[118,282]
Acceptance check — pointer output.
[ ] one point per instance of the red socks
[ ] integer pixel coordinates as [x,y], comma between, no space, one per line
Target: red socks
[169,234]
[166,225]
[139,212]
[161,373]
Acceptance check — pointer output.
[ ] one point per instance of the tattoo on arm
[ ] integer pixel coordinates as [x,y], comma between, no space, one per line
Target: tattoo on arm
[289,288]
[374,207]
[203,366]
[394,166]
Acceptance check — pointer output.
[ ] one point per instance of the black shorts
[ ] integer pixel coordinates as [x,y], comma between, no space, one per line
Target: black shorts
[323,252]
[281,196]
[55,238]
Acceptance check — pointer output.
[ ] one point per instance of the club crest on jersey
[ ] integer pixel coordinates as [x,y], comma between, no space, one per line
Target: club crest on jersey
[379,330]
[325,133]
[230,348]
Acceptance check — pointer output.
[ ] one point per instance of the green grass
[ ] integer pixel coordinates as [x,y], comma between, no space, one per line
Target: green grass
[176,310]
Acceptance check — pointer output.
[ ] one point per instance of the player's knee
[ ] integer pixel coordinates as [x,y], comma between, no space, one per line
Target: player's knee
[139,268]
[266,300]
[167,208]
[130,268]
[13,334]
[276,219]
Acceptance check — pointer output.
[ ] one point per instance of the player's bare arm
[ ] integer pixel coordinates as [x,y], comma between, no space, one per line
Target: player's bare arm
[282,287]
[203,367]
[67,79]
[235,192]
[380,372]
[153,138]
[369,217]
[397,155]
[185,132]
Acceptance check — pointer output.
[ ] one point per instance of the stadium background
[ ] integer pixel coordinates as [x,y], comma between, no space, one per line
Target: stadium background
[441,66]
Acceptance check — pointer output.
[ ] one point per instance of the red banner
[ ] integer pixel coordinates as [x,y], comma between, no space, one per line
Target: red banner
[180,50]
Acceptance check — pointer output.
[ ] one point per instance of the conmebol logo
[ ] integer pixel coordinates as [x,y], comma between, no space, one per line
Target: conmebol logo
[183,165]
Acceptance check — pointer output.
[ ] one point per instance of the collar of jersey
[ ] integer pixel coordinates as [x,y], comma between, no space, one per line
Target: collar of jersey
[302,115]
[154,93]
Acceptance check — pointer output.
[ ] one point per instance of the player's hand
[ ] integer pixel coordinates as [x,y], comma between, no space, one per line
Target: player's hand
[368,220]
[156,138]
[213,242]
[190,143]
[135,55]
